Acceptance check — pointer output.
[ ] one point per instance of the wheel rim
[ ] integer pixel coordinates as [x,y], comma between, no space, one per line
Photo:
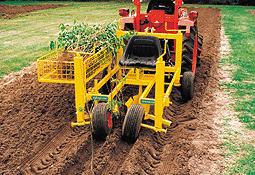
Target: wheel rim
[109,119]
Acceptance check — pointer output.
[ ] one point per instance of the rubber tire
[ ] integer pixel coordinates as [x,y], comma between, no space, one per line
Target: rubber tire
[100,128]
[132,123]
[187,51]
[187,86]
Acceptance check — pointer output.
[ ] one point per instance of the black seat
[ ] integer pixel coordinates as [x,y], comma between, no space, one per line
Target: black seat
[141,51]
[166,5]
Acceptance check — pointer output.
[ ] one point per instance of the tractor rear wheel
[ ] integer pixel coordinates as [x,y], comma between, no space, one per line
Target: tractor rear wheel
[187,86]
[187,51]
[132,123]
[101,121]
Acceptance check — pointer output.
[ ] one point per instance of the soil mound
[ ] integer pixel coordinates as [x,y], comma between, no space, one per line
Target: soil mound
[9,11]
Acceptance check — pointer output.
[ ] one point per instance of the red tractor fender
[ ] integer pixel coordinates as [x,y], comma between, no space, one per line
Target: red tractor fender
[126,20]
[188,21]
[193,15]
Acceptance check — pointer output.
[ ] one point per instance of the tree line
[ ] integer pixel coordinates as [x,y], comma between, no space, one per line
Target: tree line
[233,2]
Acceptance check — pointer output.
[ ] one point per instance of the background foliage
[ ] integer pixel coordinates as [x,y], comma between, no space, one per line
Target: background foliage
[241,2]
[234,2]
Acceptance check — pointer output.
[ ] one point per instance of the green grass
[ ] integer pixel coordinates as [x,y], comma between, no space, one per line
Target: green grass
[25,38]
[245,165]
[239,27]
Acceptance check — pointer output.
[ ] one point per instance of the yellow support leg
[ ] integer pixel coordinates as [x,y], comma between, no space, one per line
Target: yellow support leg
[119,55]
[159,94]
[80,90]
[178,60]
[140,91]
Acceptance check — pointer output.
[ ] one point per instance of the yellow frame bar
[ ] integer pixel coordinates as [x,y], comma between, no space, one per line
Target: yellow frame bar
[147,90]
[80,90]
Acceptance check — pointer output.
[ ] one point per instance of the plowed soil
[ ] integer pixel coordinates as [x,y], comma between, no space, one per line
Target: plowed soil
[9,11]
[36,137]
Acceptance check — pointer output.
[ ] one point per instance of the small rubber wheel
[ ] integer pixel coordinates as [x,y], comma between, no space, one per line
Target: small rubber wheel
[132,123]
[101,121]
[187,86]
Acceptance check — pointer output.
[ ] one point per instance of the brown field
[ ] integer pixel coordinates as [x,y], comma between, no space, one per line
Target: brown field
[9,11]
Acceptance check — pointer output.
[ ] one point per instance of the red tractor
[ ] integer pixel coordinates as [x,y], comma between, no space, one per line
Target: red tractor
[167,16]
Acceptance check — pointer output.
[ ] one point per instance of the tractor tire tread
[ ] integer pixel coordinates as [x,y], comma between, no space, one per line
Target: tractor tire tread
[100,128]
[187,86]
[132,123]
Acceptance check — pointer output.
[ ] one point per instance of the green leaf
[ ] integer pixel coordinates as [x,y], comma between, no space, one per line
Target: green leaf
[52,45]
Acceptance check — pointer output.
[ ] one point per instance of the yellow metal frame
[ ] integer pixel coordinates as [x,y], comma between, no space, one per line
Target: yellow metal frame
[86,66]
[161,100]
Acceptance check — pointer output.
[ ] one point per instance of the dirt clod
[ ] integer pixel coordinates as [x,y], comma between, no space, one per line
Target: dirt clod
[10,11]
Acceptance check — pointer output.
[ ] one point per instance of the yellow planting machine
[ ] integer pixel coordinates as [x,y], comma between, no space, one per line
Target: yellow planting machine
[163,53]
